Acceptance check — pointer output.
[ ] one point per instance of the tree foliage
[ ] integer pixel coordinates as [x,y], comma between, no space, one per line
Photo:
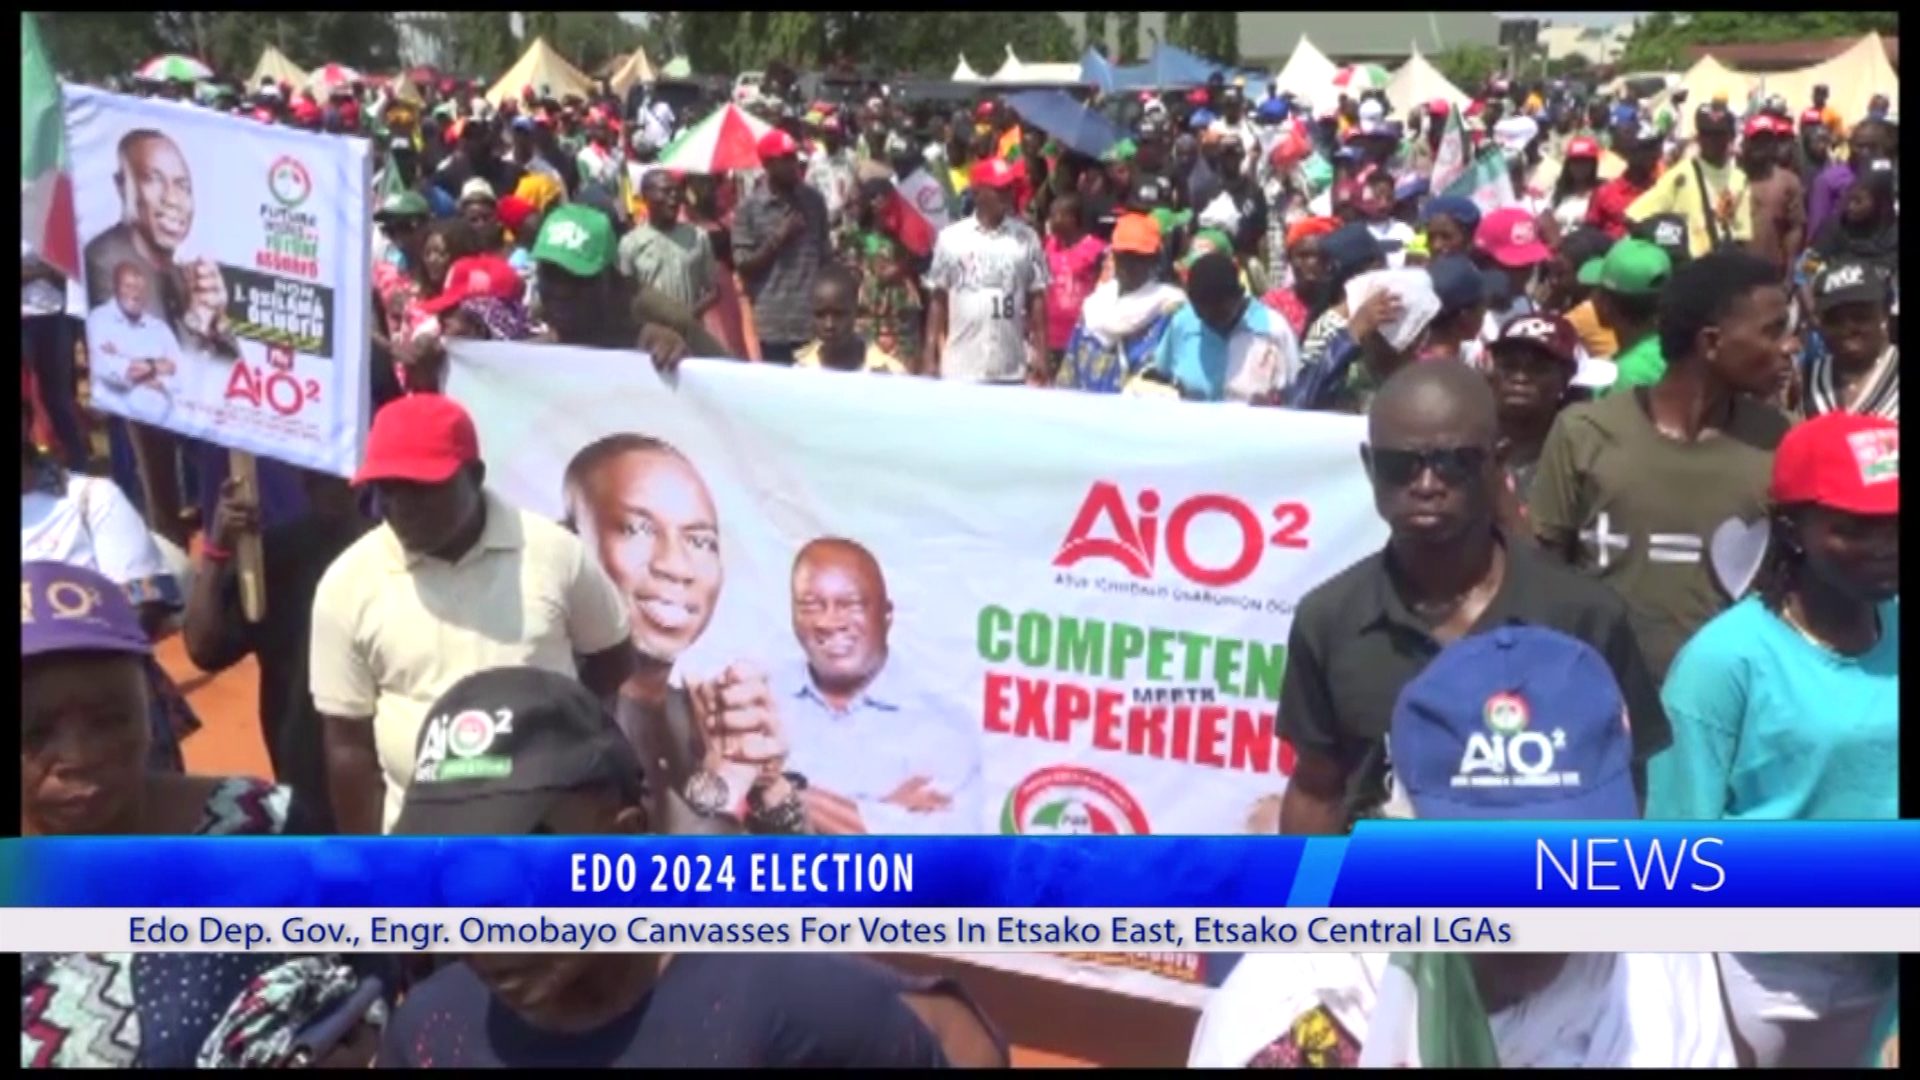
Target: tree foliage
[1468,66]
[1096,30]
[1660,40]
[1214,35]
[1126,37]
[893,42]
[476,43]
[93,44]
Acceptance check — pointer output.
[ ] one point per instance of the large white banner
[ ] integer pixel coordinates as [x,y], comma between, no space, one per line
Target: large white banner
[225,275]
[1069,612]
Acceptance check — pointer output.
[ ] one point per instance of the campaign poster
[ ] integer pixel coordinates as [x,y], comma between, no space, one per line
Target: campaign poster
[979,609]
[224,275]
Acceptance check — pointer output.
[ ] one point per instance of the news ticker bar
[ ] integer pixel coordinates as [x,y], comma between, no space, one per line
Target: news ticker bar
[1417,864]
[960,930]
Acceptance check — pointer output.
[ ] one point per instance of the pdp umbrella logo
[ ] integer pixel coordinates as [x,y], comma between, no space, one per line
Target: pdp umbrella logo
[1068,800]
[471,733]
[289,182]
[1506,713]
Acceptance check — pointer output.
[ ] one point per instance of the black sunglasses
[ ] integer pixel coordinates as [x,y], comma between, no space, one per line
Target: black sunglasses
[1452,465]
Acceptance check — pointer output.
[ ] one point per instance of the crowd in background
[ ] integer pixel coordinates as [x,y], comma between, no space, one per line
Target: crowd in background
[1631,421]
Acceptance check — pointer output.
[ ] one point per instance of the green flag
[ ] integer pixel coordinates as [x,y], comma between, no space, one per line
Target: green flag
[46,191]
[1429,1016]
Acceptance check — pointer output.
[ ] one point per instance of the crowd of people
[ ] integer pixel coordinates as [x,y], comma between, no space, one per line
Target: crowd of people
[1631,423]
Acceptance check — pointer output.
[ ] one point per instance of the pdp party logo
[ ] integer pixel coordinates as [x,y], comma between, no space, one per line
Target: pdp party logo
[1069,800]
[289,182]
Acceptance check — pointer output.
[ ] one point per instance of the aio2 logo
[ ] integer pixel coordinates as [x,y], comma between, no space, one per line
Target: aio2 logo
[1133,538]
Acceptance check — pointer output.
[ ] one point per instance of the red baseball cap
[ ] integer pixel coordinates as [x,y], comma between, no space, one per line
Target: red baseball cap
[425,438]
[994,173]
[983,110]
[776,144]
[1510,238]
[1542,330]
[1196,97]
[476,275]
[1841,461]
[1439,107]
[1760,124]
[1583,146]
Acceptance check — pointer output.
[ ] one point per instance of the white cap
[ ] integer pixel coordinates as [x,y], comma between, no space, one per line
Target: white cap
[1513,134]
[1372,111]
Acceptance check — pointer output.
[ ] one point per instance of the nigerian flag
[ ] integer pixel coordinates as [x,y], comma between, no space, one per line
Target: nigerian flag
[1429,1016]
[1485,181]
[46,192]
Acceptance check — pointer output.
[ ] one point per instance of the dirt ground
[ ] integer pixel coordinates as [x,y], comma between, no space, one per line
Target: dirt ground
[1051,1025]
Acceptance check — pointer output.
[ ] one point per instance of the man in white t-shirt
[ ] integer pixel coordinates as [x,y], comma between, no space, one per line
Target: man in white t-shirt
[131,348]
[986,320]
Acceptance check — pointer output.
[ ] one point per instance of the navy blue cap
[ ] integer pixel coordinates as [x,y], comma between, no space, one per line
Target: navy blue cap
[1348,248]
[1519,723]
[1457,281]
[1412,188]
[1272,110]
[1458,207]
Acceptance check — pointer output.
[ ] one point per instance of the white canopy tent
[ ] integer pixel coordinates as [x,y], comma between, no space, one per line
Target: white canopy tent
[1308,73]
[965,72]
[1419,82]
[1851,79]
[1014,70]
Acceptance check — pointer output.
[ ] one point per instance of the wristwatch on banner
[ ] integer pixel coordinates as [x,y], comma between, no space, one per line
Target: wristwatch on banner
[708,793]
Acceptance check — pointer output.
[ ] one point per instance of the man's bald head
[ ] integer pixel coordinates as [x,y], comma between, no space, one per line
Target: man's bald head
[1421,402]
[1430,454]
[841,615]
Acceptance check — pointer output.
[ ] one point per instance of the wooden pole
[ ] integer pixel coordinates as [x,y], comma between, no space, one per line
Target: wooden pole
[253,573]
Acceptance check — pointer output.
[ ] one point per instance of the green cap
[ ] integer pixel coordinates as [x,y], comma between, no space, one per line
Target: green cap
[1222,245]
[403,204]
[1169,220]
[1120,151]
[1631,268]
[577,239]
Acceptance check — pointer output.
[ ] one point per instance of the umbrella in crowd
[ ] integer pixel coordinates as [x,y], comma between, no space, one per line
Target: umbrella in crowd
[723,141]
[1071,124]
[1359,78]
[173,67]
[330,77]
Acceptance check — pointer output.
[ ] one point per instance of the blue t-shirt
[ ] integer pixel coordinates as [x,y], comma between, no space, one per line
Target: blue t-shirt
[1202,363]
[1768,726]
[737,1010]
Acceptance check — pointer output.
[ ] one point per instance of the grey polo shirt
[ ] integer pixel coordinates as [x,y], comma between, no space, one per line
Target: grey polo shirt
[1355,645]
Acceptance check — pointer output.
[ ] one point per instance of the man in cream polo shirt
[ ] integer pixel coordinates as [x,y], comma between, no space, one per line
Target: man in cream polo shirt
[453,581]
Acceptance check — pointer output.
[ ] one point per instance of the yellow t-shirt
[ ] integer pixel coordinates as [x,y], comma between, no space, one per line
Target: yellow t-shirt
[878,362]
[1677,192]
[1595,338]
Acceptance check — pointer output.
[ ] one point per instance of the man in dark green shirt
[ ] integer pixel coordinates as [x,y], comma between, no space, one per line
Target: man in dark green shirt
[1660,491]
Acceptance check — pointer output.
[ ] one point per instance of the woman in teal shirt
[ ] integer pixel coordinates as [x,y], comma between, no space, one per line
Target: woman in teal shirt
[1786,707]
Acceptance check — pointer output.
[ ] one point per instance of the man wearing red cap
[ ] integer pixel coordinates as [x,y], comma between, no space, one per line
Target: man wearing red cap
[779,242]
[986,319]
[453,582]
[1779,202]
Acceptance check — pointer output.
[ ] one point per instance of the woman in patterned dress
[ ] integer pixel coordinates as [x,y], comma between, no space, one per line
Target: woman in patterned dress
[84,772]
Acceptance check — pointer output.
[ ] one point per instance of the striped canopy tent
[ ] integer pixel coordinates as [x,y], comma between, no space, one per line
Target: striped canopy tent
[327,78]
[635,70]
[173,67]
[543,69]
[274,65]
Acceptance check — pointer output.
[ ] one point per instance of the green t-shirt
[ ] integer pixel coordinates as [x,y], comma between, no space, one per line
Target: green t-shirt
[1641,365]
[1639,511]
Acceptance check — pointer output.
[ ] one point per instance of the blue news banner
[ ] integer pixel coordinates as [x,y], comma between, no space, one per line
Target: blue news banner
[1545,887]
